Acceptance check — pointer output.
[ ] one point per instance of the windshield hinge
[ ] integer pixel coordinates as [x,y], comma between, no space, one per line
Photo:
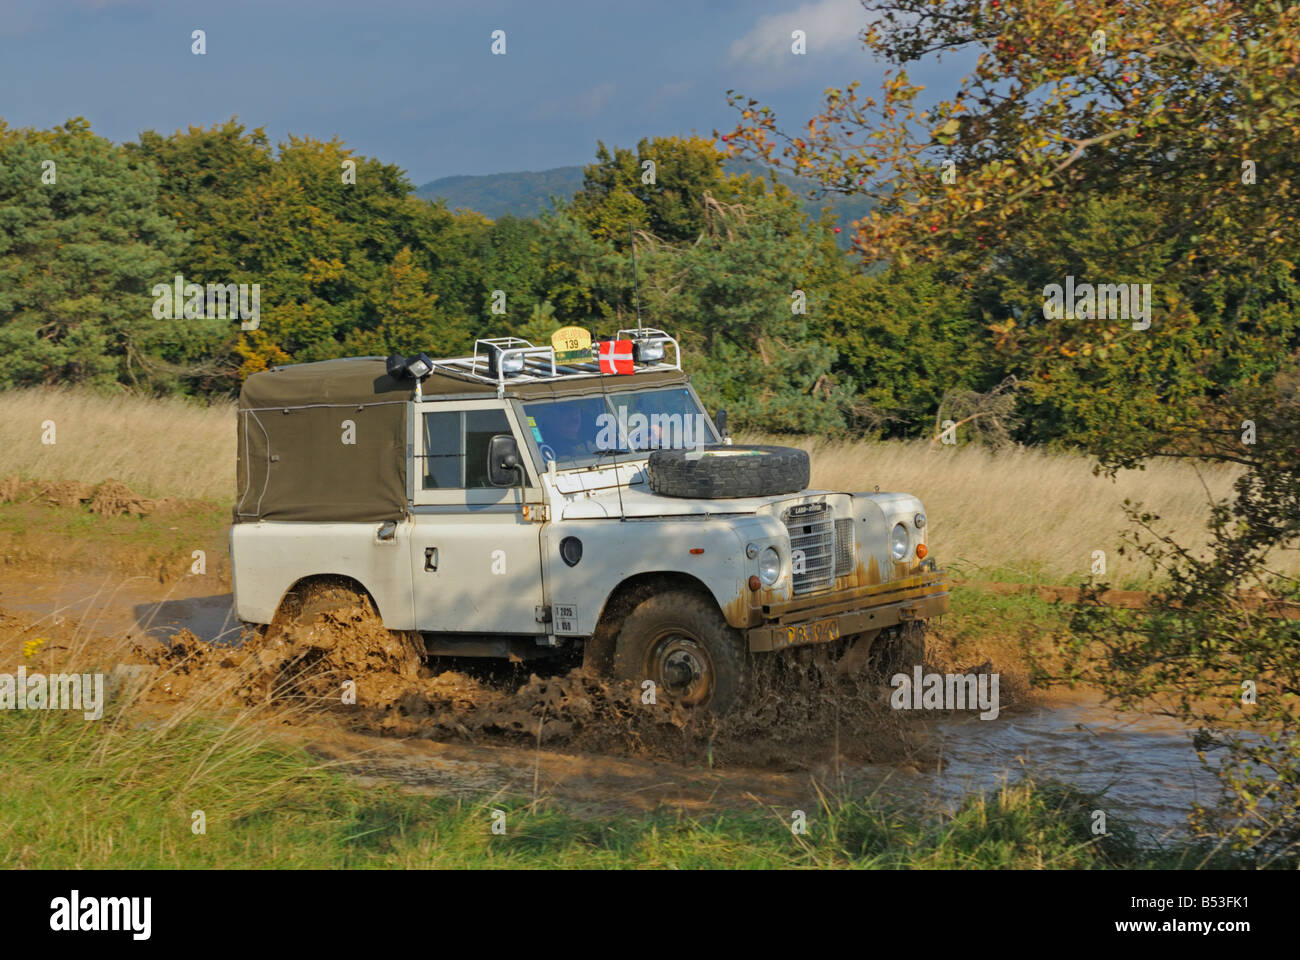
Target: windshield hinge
[536,512]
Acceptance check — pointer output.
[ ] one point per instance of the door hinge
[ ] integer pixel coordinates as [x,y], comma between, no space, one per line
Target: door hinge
[542,614]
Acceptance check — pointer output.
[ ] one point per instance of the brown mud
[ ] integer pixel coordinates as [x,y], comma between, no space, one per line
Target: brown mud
[110,498]
[345,667]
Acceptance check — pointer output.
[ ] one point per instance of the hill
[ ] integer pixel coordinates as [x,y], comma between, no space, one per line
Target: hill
[527,193]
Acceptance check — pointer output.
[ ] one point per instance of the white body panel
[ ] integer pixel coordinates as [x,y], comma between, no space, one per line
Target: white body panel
[488,570]
[270,557]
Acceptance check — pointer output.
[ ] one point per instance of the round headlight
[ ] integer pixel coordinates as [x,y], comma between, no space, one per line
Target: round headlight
[898,542]
[769,566]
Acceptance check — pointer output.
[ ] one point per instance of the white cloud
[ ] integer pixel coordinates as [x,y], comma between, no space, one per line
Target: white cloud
[831,27]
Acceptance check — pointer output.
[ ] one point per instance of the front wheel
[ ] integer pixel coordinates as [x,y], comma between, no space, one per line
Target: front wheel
[681,642]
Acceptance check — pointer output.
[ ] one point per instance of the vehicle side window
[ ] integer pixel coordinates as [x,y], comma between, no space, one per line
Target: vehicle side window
[455,447]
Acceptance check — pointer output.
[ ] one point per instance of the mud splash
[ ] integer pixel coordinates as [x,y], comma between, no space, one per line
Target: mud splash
[339,661]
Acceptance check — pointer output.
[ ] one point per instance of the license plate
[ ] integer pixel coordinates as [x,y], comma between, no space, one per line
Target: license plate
[819,631]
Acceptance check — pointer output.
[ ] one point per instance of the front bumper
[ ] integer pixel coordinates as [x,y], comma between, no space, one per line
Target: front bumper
[847,612]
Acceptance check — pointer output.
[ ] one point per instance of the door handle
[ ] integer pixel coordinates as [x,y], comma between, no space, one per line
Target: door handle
[431,558]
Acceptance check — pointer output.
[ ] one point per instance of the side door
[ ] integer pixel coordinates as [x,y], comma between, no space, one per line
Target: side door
[476,560]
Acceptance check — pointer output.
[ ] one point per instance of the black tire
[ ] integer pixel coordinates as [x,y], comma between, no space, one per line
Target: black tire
[718,472]
[897,650]
[681,641]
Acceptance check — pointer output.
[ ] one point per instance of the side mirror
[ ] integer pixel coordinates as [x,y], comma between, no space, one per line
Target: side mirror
[720,421]
[503,465]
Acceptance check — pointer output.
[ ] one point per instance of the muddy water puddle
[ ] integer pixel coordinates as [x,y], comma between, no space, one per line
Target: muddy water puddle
[1144,763]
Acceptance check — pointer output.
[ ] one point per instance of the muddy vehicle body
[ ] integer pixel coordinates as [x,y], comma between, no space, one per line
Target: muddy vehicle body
[509,505]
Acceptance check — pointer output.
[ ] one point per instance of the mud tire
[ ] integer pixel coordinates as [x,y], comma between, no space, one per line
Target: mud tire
[725,472]
[681,641]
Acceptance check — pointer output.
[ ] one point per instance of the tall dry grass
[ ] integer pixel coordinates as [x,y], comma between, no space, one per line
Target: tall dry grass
[158,448]
[1023,514]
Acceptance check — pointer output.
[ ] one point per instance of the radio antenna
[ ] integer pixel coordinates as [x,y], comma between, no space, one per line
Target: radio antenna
[636,290]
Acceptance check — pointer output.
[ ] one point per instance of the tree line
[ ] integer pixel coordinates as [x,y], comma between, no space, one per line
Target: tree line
[777,324]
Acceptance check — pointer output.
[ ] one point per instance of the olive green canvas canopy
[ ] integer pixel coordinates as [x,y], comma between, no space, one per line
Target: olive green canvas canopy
[322,441]
[326,441]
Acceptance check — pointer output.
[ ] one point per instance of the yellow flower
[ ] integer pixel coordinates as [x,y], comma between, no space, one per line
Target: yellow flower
[32,647]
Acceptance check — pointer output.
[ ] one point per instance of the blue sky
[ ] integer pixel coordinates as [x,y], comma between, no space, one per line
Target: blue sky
[416,84]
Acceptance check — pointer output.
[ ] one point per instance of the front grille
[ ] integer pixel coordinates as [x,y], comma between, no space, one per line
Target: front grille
[845,548]
[812,546]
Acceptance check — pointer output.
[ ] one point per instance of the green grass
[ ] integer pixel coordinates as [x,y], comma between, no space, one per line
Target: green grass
[978,612]
[76,538]
[121,792]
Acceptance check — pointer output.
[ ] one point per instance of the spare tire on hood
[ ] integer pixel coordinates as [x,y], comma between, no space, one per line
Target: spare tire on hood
[717,472]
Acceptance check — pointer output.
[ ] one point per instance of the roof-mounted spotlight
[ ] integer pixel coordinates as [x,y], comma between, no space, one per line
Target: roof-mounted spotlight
[647,349]
[505,362]
[418,366]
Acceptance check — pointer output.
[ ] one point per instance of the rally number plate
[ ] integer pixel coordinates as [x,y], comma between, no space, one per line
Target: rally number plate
[819,631]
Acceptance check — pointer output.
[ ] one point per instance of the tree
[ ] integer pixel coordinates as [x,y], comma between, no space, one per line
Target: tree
[81,244]
[616,196]
[203,175]
[409,320]
[1105,143]
[906,337]
[1119,143]
[334,242]
[742,302]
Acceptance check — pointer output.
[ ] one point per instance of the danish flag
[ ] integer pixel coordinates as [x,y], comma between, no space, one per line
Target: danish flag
[616,356]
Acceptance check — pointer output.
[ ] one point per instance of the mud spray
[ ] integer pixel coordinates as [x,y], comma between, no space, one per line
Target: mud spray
[335,659]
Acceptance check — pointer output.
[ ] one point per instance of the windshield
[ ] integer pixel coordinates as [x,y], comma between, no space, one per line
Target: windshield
[585,430]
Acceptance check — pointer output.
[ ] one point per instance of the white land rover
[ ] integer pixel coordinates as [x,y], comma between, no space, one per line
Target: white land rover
[512,504]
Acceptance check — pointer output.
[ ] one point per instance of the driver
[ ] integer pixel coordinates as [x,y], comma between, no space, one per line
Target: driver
[566,434]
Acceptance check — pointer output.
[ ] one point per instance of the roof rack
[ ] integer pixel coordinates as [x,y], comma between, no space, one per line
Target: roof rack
[538,364]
